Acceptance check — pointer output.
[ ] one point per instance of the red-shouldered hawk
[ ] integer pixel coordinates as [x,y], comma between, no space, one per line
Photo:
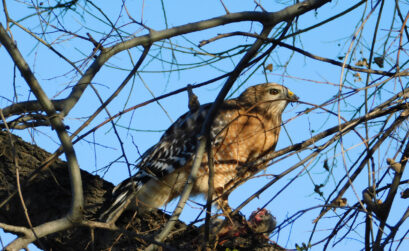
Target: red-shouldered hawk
[244,129]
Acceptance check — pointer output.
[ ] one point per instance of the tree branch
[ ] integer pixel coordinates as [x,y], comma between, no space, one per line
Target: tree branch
[47,196]
[77,203]
[267,18]
[306,53]
[270,18]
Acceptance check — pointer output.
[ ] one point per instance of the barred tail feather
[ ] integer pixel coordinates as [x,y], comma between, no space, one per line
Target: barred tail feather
[124,194]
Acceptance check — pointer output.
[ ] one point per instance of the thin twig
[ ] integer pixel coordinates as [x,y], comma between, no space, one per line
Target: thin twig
[303,52]
[210,191]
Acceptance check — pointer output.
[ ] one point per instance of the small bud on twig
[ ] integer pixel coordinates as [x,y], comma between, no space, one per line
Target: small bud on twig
[396,166]
[405,194]
[367,196]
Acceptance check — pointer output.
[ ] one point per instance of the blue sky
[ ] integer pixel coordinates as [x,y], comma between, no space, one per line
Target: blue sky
[314,82]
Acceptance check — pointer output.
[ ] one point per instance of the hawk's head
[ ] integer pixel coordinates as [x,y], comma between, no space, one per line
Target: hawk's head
[269,98]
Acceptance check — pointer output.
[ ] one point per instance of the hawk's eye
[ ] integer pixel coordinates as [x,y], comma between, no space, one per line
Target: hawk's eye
[274,91]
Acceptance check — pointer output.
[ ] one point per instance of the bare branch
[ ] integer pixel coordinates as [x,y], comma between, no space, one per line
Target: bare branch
[75,214]
[267,18]
[306,53]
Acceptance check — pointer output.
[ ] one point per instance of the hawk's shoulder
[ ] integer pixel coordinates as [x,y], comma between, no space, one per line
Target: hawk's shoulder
[177,146]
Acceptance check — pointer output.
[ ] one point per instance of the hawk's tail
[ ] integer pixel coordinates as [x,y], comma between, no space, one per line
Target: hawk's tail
[123,195]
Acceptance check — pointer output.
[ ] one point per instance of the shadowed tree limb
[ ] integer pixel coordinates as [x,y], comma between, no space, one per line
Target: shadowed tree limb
[74,215]
[47,196]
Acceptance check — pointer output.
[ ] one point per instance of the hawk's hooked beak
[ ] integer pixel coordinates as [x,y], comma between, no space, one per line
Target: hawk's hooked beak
[292,96]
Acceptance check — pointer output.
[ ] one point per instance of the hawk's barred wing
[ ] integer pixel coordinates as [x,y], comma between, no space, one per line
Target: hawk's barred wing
[174,150]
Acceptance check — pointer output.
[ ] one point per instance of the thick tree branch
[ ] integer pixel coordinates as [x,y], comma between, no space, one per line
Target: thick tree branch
[387,205]
[47,197]
[31,106]
[77,202]
[267,18]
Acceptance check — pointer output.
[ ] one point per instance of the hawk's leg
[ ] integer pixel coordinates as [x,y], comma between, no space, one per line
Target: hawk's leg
[224,206]
[223,203]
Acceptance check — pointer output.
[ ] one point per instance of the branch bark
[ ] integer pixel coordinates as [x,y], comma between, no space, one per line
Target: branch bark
[74,215]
